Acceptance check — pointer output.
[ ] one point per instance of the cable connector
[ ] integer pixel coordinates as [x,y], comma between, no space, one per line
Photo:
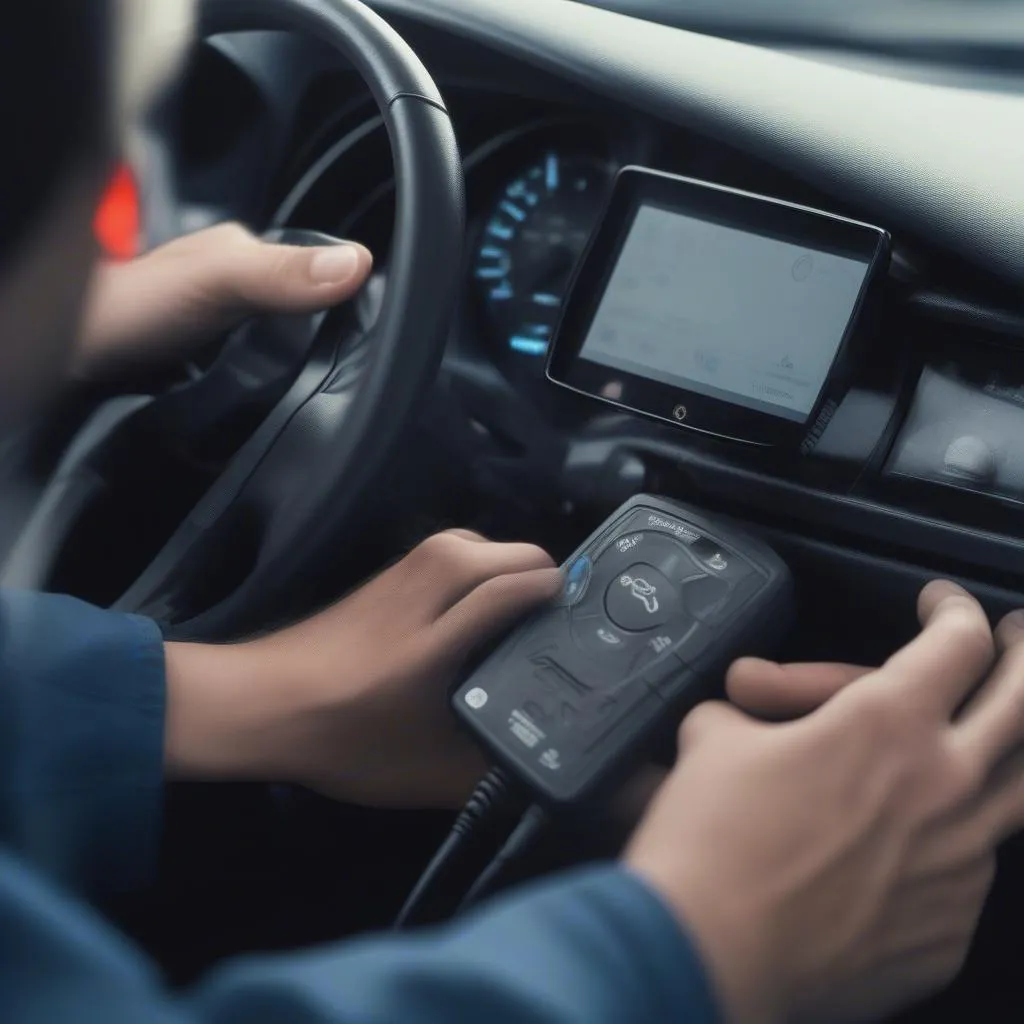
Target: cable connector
[494,792]
[493,795]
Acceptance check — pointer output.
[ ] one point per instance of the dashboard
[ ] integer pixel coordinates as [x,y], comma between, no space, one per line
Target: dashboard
[914,462]
[914,466]
[526,246]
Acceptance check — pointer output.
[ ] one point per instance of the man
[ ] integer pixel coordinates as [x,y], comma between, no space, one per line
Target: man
[829,868]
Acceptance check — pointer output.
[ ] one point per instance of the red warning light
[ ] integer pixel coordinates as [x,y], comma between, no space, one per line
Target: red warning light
[118,224]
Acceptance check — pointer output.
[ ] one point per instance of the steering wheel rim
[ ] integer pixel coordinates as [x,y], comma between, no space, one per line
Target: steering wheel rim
[302,473]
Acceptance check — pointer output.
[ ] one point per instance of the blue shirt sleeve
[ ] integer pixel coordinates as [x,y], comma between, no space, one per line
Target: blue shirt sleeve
[82,697]
[594,948]
[82,703]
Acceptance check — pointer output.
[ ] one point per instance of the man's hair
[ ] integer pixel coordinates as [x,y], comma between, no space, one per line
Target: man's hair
[56,103]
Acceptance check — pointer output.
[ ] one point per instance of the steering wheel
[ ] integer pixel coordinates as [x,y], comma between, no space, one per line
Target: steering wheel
[331,398]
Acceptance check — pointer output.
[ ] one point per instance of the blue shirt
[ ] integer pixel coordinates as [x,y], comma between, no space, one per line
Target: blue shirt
[81,760]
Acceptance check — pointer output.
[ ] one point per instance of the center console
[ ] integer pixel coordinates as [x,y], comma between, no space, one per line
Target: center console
[764,356]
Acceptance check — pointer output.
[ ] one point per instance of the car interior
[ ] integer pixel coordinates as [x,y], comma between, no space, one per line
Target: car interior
[478,148]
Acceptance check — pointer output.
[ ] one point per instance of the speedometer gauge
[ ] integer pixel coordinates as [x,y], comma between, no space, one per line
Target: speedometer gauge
[529,245]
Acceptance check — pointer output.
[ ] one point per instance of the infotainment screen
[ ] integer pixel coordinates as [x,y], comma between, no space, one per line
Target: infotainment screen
[715,309]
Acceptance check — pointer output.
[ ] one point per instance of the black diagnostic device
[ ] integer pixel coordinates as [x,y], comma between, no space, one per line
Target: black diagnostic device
[657,603]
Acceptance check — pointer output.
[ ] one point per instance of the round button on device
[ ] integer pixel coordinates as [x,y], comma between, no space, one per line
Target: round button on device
[577,576]
[604,640]
[640,598]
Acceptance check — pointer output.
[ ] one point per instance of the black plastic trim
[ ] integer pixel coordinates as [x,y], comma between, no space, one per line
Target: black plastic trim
[747,491]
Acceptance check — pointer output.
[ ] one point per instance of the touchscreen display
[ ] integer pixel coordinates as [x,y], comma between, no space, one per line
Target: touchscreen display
[741,317]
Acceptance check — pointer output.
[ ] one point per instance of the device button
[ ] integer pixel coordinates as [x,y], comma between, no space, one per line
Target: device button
[577,576]
[706,597]
[640,599]
[720,562]
[600,638]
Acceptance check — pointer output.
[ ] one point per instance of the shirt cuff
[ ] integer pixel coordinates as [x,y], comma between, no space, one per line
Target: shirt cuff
[84,693]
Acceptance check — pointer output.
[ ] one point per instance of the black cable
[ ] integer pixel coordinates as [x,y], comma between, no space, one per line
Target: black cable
[493,795]
[532,824]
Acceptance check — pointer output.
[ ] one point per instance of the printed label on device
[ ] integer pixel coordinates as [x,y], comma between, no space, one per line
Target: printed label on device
[677,529]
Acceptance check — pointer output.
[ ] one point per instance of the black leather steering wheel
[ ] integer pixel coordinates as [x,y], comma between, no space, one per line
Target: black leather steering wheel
[342,406]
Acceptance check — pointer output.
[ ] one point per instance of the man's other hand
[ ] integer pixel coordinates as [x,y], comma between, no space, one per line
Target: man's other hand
[166,304]
[764,689]
[834,868]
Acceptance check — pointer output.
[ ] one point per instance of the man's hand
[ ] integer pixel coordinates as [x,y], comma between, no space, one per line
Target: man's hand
[354,701]
[834,868]
[765,689]
[167,303]
[776,692]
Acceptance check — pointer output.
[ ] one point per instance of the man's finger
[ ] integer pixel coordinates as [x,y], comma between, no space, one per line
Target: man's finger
[447,567]
[770,690]
[495,606]
[992,724]
[710,718]
[457,565]
[189,291]
[1010,631]
[942,666]
[265,277]
[468,535]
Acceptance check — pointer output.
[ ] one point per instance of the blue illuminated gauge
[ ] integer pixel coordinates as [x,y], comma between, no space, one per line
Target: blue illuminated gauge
[529,245]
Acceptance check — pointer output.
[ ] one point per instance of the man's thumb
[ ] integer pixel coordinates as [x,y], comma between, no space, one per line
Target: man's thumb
[773,691]
[297,279]
[190,290]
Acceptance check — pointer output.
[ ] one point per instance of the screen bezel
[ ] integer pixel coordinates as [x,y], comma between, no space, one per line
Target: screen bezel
[774,218]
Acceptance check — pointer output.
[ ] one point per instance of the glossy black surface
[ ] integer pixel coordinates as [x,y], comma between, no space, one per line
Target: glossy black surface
[641,188]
